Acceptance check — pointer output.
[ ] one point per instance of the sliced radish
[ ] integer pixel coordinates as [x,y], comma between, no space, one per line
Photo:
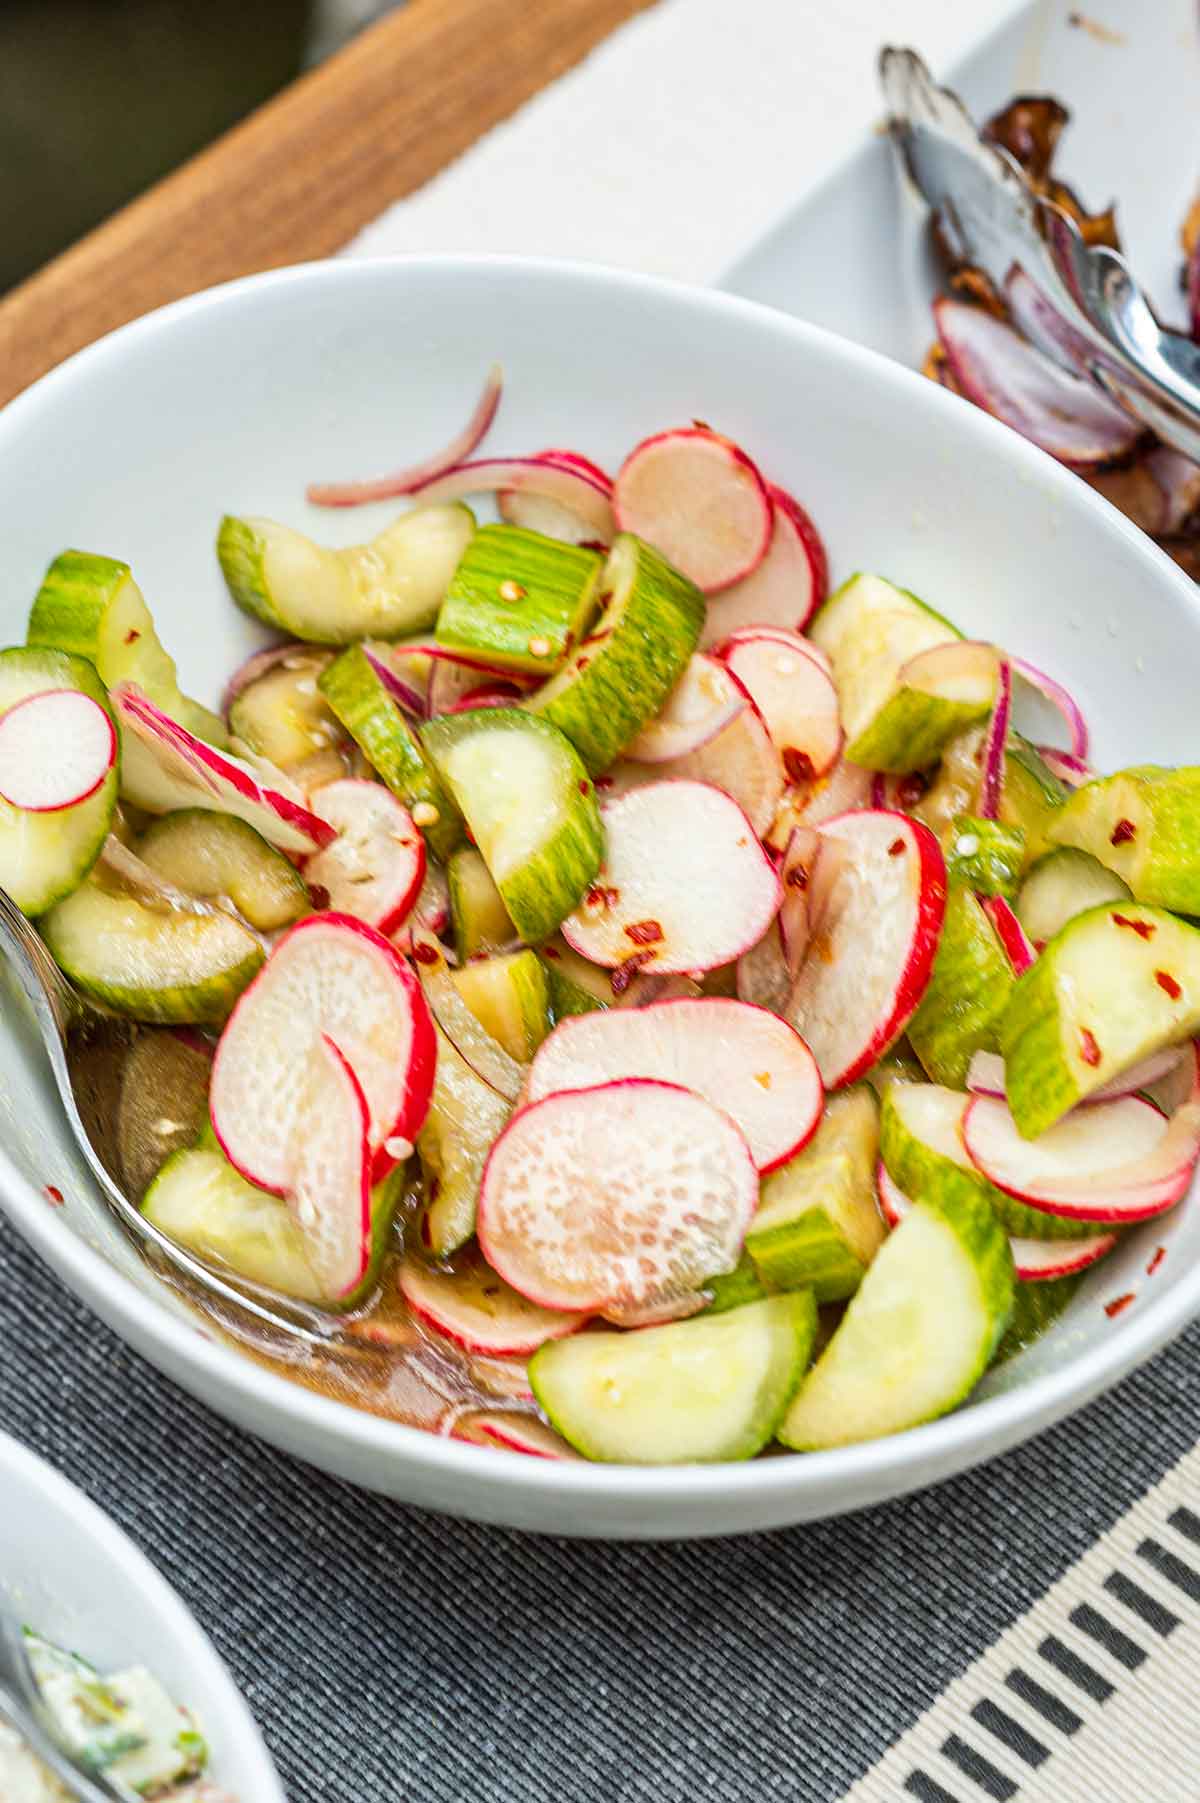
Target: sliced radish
[762,974]
[329,1183]
[1004,375]
[261,663]
[408,481]
[617,1199]
[504,694]
[1034,1260]
[685,884]
[329,975]
[565,483]
[1010,933]
[1178,479]
[513,1432]
[539,514]
[452,679]
[877,910]
[479,1311]
[985,1075]
[56,748]
[703,703]
[742,761]
[797,700]
[168,768]
[787,587]
[375,867]
[796,873]
[1069,769]
[742,1059]
[431,910]
[1060,698]
[1114,1161]
[846,789]
[699,500]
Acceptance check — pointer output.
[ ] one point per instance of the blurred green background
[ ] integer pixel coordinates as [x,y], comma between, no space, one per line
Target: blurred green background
[98,98]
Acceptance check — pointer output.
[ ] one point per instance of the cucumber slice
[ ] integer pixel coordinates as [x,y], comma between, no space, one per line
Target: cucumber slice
[869,629]
[734,1289]
[1061,885]
[510,997]
[623,672]
[1113,986]
[984,855]
[531,810]
[1036,1307]
[216,856]
[518,600]
[480,919]
[1144,824]
[43,857]
[922,1148]
[92,607]
[692,1392]
[818,1225]
[355,686]
[201,1201]
[152,964]
[577,986]
[938,693]
[1031,794]
[464,1117]
[283,716]
[391,586]
[920,1331]
[972,980]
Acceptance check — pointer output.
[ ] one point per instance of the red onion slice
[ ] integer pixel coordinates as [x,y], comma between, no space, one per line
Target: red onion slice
[526,475]
[992,787]
[260,663]
[403,691]
[1009,932]
[1179,480]
[1060,698]
[1001,373]
[407,481]
[1041,323]
[1070,770]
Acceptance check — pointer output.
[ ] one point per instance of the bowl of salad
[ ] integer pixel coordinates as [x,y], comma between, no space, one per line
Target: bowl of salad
[135,1688]
[669,911]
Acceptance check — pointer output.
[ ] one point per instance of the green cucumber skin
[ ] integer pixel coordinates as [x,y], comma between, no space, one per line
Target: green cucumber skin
[1161,861]
[1041,1034]
[995,864]
[911,731]
[558,586]
[204,1004]
[968,992]
[635,655]
[477,911]
[528,989]
[240,551]
[1032,797]
[736,1288]
[378,727]
[66,843]
[819,629]
[807,1254]
[548,885]
[566,996]
[1036,1307]
[797,1311]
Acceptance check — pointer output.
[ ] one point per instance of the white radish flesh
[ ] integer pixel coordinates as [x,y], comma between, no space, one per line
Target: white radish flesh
[797,873]
[329,1183]
[375,867]
[787,587]
[742,1059]
[56,748]
[1034,1260]
[514,1433]
[703,702]
[877,912]
[697,498]
[797,700]
[537,513]
[762,975]
[565,483]
[846,789]
[616,1200]
[333,976]
[741,761]
[685,884]
[480,1312]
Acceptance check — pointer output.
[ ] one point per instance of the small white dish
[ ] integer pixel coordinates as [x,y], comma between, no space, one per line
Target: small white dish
[69,1572]
[236,398]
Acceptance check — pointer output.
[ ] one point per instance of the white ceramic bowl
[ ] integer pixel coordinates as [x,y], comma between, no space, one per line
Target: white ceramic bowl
[236,398]
[69,1572]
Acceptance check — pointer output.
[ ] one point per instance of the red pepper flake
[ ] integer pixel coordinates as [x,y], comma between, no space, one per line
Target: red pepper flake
[319,895]
[601,896]
[54,1195]
[585,788]
[1144,929]
[1159,1255]
[1119,1304]
[798,764]
[424,953]
[1089,1051]
[1167,984]
[625,972]
[702,425]
[1122,832]
[797,877]
[595,638]
[896,848]
[582,662]
[910,789]
[132,636]
[605,782]
[551,951]
[593,544]
[644,932]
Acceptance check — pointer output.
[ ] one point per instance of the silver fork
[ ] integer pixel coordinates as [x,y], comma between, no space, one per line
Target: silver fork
[1107,333]
[24,1708]
[84,1046]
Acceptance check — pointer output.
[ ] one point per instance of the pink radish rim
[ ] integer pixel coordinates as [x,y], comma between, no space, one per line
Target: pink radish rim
[75,697]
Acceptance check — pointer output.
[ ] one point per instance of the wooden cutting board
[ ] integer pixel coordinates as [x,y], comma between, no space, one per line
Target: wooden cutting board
[300,177]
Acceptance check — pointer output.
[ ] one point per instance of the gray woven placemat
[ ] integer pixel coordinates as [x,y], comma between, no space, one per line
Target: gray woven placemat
[394,1656]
